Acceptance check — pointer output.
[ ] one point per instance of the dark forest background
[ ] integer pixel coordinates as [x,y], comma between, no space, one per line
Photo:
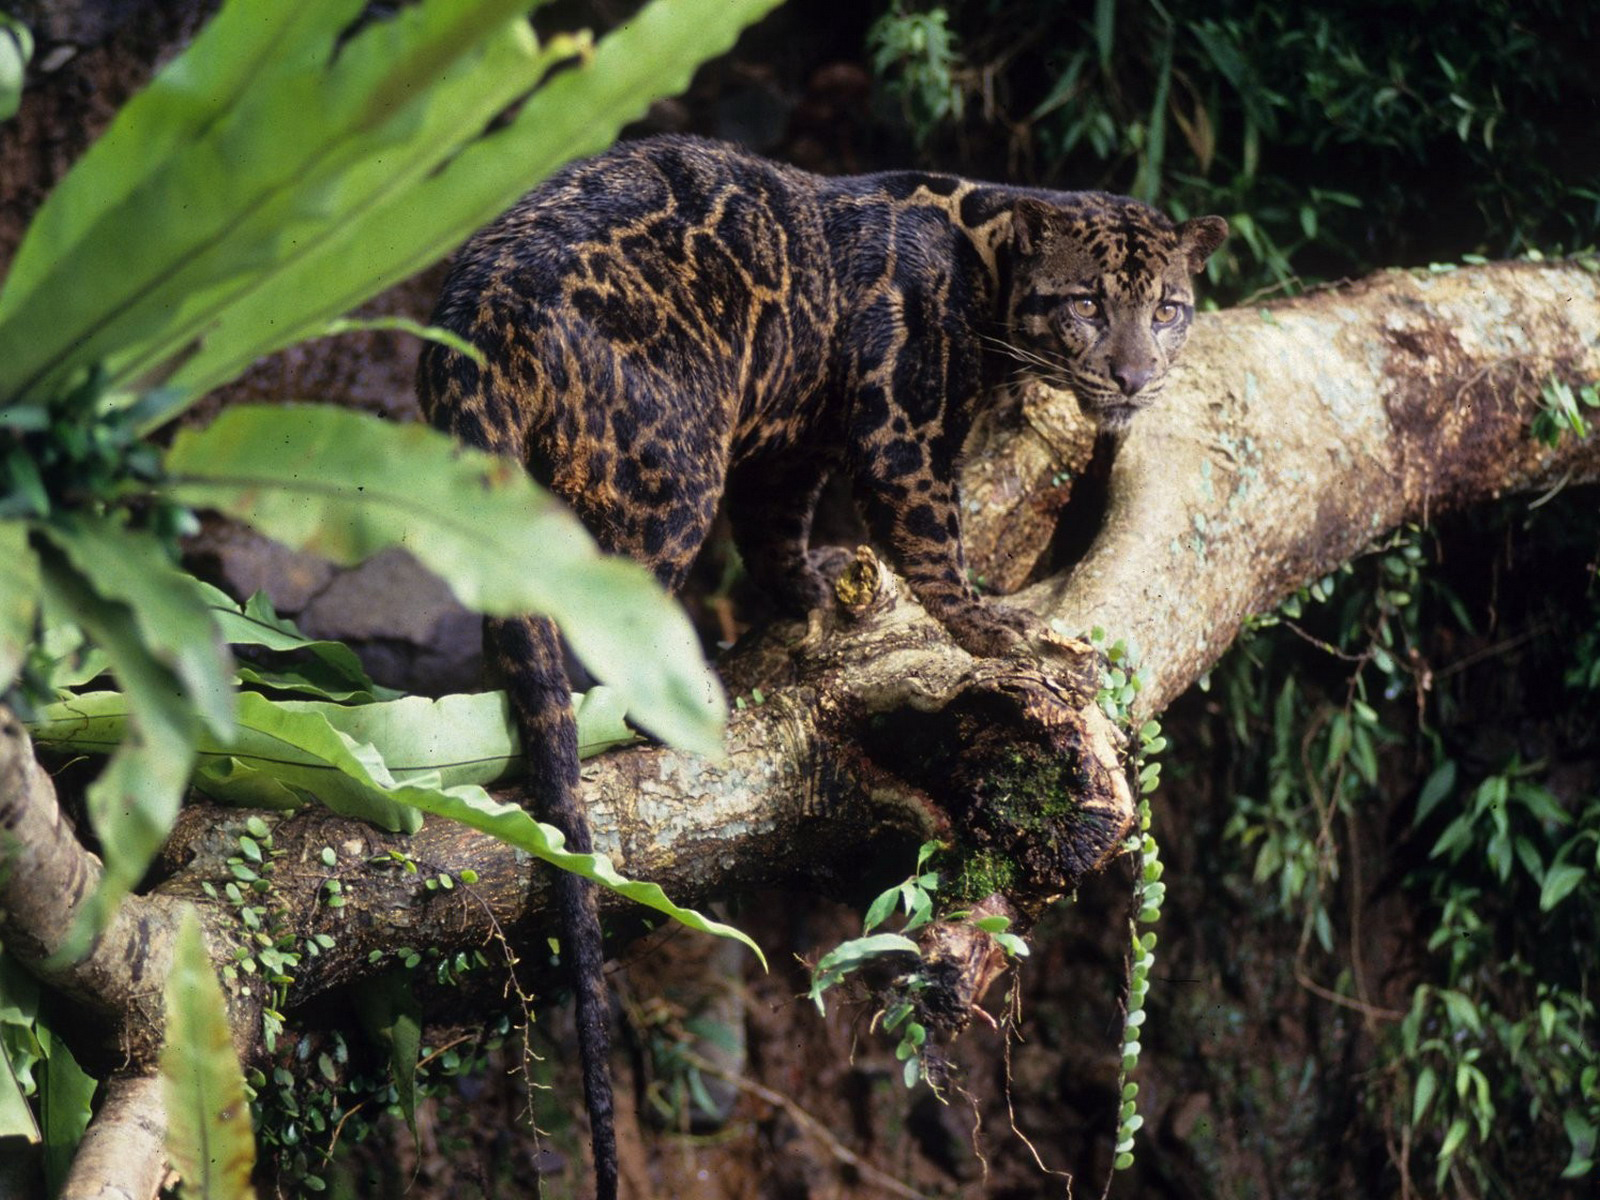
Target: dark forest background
[1381,816]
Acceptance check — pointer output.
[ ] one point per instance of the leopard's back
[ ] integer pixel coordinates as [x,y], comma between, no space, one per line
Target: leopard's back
[647,317]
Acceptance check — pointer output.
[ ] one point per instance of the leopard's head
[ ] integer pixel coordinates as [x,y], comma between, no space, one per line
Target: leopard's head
[1102,296]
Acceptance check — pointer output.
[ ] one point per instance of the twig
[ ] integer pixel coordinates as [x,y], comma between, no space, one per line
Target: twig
[801,1117]
[1361,1006]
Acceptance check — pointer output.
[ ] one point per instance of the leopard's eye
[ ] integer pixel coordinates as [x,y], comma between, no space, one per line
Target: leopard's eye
[1166,313]
[1085,308]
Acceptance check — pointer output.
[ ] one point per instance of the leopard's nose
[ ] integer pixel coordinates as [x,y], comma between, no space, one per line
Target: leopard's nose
[1132,379]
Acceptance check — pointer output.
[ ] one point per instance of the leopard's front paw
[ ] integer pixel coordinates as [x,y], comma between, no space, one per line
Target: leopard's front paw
[991,630]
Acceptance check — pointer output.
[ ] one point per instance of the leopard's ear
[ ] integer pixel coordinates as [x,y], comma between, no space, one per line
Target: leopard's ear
[1030,224]
[1199,238]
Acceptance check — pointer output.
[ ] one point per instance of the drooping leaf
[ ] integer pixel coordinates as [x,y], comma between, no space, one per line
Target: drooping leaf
[284,754]
[19,597]
[281,754]
[326,669]
[65,1093]
[293,746]
[208,1118]
[852,955]
[473,806]
[128,567]
[346,485]
[134,801]
[392,1016]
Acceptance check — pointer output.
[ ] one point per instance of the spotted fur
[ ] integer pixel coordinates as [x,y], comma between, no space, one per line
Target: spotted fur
[677,322]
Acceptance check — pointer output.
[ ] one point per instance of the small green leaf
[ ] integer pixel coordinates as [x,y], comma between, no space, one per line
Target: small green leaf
[1427,1085]
[1559,881]
[1439,785]
[1453,1138]
[1012,945]
[208,1117]
[880,909]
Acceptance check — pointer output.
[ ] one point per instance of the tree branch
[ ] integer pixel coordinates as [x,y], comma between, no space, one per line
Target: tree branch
[1290,439]
[123,1152]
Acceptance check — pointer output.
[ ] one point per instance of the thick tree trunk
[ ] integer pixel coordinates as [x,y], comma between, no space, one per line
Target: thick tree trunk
[1292,437]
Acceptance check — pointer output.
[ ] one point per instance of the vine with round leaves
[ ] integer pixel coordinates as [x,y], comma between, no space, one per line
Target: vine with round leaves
[1121,681]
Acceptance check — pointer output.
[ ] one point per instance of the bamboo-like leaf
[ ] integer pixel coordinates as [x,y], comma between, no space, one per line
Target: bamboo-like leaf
[345,485]
[19,598]
[239,153]
[402,229]
[208,1118]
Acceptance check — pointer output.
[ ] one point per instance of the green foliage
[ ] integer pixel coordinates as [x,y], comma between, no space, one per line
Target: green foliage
[208,1137]
[1333,143]
[1561,411]
[1493,1060]
[220,218]
[914,895]
[917,55]
[35,1062]
[1121,681]
[284,752]
[914,898]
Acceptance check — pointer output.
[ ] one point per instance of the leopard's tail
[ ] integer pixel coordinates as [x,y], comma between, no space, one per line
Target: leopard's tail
[530,660]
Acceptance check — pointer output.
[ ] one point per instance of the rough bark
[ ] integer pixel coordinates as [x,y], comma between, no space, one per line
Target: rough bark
[122,1155]
[1292,437]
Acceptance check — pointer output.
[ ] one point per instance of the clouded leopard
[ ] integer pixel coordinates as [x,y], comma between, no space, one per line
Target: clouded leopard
[677,323]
